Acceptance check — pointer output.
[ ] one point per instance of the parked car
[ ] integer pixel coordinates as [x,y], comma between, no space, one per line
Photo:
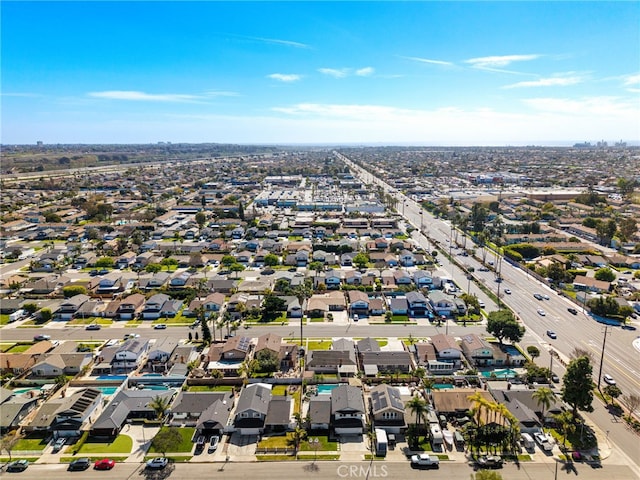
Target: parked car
[425,460]
[93,326]
[80,464]
[608,379]
[213,443]
[157,463]
[543,441]
[104,464]
[160,326]
[555,378]
[58,444]
[552,334]
[200,442]
[18,466]
[491,461]
[39,338]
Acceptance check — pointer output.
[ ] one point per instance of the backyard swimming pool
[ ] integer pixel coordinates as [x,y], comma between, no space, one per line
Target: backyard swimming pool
[504,373]
[107,390]
[112,378]
[326,388]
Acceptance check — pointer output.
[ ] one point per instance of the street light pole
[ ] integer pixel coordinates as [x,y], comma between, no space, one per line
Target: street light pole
[604,342]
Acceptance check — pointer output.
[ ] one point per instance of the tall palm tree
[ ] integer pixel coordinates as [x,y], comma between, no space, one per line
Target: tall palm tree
[566,424]
[418,408]
[478,404]
[160,405]
[544,397]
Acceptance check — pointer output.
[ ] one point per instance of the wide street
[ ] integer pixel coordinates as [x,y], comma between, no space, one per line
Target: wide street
[327,470]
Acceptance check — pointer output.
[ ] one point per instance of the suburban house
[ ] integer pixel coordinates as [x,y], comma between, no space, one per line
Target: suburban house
[126,260]
[207,411]
[347,410]
[386,362]
[526,408]
[252,409]
[55,364]
[322,303]
[129,355]
[236,348]
[447,350]
[153,306]
[66,416]
[441,303]
[417,303]
[68,308]
[127,404]
[455,402]
[320,412]
[477,350]
[387,408]
[423,279]
[160,354]
[14,408]
[213,303]
[340,359]
[582,282]
[279,414]
[131,306]
[358,302]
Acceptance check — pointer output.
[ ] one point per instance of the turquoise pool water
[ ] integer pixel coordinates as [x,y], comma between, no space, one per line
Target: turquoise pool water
[442,386]
[107,390]
[20,391]
[504,373]
[326,388]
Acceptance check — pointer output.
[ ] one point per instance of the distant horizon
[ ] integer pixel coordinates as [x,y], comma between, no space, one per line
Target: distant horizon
[468,73]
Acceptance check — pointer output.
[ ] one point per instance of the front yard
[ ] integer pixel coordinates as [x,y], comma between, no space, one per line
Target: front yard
[185,446]
[121,444]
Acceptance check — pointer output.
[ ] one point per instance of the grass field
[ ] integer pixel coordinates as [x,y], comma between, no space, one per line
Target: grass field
[186,445]
[207,388]
[19,347]
[121,444]
[30,444]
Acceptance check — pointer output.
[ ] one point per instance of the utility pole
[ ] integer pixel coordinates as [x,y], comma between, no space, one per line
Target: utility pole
[604,342]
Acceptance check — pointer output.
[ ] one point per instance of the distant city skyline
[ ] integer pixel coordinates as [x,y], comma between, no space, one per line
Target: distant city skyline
[422,73]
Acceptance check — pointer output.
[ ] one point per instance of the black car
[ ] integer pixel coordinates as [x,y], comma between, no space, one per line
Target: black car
[572,311]
[80,464]
[18,466]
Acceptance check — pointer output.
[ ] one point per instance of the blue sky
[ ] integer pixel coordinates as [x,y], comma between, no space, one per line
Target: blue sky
[428,73]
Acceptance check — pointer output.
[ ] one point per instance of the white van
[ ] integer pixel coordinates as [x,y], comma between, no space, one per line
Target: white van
[527,441]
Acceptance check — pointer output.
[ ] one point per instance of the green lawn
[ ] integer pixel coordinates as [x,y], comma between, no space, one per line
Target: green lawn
[210,388]
[30,444]
[4,318]
[19,347]
[279,390]
[88,320]
[121,444]
[319,344]
[186,445]
[324,445]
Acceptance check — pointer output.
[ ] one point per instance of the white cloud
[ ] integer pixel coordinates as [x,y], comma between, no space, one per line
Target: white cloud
[587,107]
[365,72]
[221,93]
[498,61]
[631,80]
[285,77]
[144,97]
[429,61]
[17,94]
[547,82]
[334,72]
[287,43]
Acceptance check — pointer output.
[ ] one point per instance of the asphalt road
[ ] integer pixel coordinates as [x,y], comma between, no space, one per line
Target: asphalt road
[324,470]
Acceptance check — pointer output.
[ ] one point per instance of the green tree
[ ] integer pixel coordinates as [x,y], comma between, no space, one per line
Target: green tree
[267,361]
[153,268]
[612,391]
[167,440]
[272,304]
[605,274]
[502,324]
[46,315]
[544,397]
[533,351]
[241,211]
[228,260]
[105,262]
[201,219]
[271,260]
[577,388]
[160,405]
[361,260]
[236,267]
[418,407]
[566,424]
[30,308]
[73,290]
[169,262]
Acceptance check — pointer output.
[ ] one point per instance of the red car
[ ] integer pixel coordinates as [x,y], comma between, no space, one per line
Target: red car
[104,464]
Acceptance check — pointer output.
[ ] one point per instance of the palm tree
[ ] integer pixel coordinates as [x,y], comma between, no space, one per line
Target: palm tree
[544,397]
[479,403]
[160,405]
[418,408]
[297,436]
[566,424]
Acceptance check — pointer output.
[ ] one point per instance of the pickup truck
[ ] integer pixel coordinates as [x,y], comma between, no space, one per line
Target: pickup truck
[425,460]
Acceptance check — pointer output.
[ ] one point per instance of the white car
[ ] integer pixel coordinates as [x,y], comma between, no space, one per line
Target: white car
[608,379]
[507,291]
[543,441]
[541,312]
[425,460]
